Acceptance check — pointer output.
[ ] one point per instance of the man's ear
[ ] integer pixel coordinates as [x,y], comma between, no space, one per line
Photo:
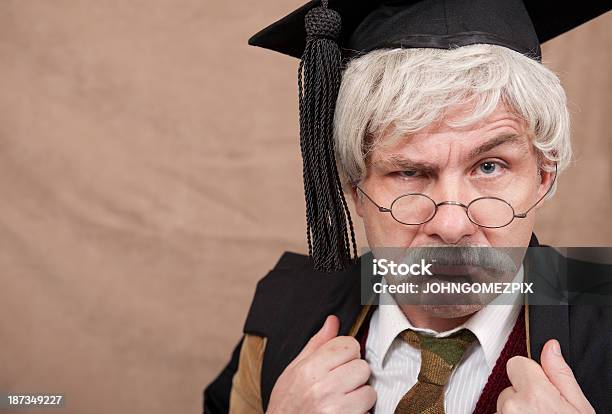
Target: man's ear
[357,201]
[546,179]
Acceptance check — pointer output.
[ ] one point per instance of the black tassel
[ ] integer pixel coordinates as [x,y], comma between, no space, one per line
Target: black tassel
[329,229]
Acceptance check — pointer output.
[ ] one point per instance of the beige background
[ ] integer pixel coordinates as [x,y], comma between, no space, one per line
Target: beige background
[150,175]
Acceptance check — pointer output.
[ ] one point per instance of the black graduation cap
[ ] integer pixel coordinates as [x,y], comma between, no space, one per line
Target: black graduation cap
[324,34]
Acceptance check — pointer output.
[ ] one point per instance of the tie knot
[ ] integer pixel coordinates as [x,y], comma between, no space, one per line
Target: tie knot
[439,355]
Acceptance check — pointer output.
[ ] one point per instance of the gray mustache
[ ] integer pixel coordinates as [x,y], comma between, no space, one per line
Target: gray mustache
[494,260]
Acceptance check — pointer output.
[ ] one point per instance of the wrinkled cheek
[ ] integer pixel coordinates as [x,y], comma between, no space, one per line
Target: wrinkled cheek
[516,234]
[383,231]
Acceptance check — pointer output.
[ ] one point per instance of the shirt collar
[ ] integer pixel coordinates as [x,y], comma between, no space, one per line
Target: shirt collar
[491,325]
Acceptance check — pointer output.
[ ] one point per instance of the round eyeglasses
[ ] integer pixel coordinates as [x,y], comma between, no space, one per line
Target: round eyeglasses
[489,212]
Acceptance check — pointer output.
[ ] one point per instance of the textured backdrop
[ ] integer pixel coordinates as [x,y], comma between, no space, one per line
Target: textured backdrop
[150,175]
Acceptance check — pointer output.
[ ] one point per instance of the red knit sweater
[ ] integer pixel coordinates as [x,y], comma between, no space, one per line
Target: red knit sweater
[498,380]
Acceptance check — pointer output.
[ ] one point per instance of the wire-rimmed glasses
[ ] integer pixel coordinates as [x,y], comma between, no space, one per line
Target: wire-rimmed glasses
[489,212]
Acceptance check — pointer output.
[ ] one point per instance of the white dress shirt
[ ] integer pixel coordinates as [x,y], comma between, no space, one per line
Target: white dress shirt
[395,364]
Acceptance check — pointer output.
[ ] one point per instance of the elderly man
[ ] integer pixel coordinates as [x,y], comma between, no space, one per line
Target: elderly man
[448,132]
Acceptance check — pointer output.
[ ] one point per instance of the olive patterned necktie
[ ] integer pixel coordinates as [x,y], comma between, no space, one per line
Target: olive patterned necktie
[439,356]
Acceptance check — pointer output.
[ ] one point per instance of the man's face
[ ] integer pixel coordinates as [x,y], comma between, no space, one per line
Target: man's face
[491,158]
[494,157]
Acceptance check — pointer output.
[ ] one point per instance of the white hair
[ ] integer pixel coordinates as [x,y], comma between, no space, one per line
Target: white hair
[410,89]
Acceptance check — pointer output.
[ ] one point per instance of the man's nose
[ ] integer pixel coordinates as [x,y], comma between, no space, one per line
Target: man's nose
[451,223]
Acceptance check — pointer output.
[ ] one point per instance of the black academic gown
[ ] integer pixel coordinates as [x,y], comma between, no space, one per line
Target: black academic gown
[292,301]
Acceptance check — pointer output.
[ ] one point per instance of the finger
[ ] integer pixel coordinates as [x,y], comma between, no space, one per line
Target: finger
[504,397]
[561,376]
[519,406]
[336,352]
[349,376]
[359,401]
[328,331]
[526,375]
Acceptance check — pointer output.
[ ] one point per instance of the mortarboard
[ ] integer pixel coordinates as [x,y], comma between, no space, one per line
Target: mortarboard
[324,34]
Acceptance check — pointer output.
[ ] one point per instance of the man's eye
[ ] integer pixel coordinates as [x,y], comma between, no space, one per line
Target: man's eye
[408,173]
[488,167]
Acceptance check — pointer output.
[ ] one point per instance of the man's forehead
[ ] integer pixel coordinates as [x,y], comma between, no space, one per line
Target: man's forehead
[462,119]
[501,122]
[424,149]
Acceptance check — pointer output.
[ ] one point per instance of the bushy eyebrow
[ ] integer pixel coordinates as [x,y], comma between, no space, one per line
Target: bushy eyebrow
[515,139]
[399,161]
